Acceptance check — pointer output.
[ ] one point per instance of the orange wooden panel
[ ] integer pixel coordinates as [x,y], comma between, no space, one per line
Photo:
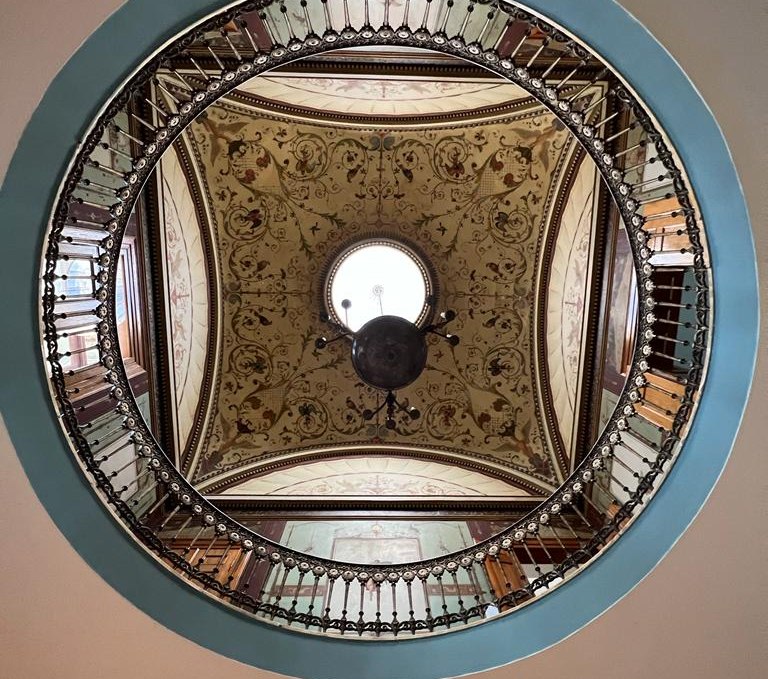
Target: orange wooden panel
[504,573]
[665,228]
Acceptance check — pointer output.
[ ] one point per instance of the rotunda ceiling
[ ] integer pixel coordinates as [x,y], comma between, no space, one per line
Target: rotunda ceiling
[476,197]
[194,361]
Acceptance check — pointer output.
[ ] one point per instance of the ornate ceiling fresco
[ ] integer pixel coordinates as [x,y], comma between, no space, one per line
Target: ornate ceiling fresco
[475,198]
[378,475]
[383,96]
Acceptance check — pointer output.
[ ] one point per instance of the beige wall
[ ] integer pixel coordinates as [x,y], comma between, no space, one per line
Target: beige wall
[700,614]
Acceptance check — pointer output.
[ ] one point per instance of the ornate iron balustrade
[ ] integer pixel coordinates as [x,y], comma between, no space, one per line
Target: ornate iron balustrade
[153,499]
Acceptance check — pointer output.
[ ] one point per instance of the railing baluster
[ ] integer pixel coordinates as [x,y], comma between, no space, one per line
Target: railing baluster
[160,112]
[181,529]
[544,45]
[449,6]
[183,80]
[327,613]
[189,547]
[551,68]
[167,92]
[281,588]
[533,561]
[117,152]
[411,618]
[311,607]
[244,30]
[502,34]
[344,609]
[513,53]
[444,604]
[106,169]
[121,131]
[330,35]
[215,56]
[292,610]
[207,551]
[143,122]
[613,137]
[570,75]
[361,614]
[168,518]
[591,83]
[605,120]
[567,523]
[271,33]
[637,166]
[462,609]
[425,17]
[641,144]
[136,501]
[467,14]
[199,70]
[108,456]
[288,24]
[395,623]
[217,568]
[225,35]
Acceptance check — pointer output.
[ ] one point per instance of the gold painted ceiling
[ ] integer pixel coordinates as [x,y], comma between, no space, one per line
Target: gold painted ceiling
[284,195]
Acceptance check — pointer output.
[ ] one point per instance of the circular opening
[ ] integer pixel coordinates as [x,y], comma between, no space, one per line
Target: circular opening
[378,278]
[560,528]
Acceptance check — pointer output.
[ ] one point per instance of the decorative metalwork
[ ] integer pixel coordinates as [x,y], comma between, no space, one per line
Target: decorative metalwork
[389,353]
[561,535]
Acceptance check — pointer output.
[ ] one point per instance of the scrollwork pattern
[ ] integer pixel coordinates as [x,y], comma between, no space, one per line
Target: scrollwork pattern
[289,193]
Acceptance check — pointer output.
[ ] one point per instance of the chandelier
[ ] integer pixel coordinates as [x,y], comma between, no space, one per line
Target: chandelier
[389,353]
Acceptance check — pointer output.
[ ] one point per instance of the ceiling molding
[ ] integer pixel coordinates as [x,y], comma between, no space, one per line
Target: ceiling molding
[221,482]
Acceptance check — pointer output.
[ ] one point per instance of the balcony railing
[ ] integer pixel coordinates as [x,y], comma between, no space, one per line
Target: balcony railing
[193,537]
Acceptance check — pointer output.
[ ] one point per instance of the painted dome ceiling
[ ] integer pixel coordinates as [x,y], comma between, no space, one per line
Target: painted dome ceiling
[473,174]
[219,393]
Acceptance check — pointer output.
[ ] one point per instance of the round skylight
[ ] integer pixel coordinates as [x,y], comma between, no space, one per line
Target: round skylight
[377,278]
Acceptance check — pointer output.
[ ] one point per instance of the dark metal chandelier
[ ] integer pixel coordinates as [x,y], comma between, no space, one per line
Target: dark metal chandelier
[389,353]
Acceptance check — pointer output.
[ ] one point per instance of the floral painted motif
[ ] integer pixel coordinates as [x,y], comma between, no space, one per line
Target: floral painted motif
[287,194]
[187,290]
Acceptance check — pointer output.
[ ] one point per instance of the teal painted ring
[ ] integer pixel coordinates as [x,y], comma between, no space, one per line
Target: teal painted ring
[40,162]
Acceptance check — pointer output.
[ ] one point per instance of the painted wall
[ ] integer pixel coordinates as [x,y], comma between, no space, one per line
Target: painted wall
[717,622]
[186,292]
[566,299]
